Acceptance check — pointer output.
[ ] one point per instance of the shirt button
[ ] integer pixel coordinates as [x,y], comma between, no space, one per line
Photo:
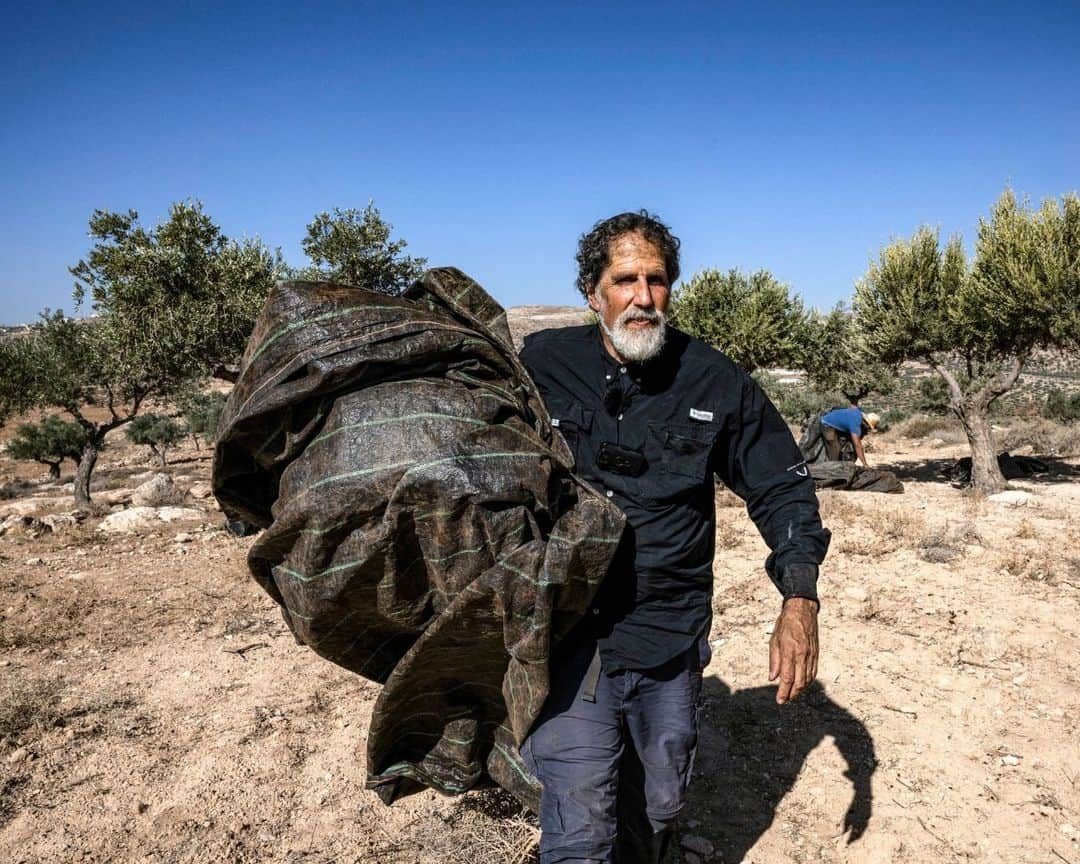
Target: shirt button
[608,377]
[622,369]
[620,416]
[609,493]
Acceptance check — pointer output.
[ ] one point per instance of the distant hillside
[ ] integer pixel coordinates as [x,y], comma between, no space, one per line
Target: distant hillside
[524,320]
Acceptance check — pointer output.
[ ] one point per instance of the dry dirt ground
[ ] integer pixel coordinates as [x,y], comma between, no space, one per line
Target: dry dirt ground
[153,707]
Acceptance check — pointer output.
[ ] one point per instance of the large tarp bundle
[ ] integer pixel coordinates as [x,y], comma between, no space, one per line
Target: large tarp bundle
[848,475]
[422,525]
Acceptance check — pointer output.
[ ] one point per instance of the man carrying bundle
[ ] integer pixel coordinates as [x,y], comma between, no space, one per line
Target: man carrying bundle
[651,416]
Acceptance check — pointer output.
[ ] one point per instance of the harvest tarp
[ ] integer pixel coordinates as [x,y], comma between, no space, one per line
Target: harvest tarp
[422,526]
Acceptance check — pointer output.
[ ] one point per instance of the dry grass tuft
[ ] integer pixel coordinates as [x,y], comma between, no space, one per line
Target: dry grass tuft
[728,533]
[1025,530]
[726,498]
[926,426]
[1041,566]
[838,507]
[28,705]
[486,827]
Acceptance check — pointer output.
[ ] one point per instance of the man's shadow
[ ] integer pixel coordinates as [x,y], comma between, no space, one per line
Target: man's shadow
[750,752]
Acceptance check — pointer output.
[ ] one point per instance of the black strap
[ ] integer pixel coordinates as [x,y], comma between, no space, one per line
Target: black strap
[592,678]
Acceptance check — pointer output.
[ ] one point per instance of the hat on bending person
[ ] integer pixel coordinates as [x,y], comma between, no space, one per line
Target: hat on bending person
[872,420]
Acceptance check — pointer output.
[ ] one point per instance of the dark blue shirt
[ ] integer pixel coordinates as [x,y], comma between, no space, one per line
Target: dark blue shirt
[691,413]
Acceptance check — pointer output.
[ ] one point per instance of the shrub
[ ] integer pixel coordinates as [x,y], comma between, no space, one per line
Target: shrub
[931,396]
[1044,437]
[797,403]
[1061,406]
[157,432]
[922,426]
[202,412]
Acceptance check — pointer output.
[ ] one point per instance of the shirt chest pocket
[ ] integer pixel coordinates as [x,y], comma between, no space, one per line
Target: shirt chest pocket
[684,457]
[574,422]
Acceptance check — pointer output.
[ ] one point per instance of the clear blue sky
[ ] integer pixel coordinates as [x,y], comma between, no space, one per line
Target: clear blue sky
[789,135]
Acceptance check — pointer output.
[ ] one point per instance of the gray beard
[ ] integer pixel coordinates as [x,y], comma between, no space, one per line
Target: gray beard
[637,346]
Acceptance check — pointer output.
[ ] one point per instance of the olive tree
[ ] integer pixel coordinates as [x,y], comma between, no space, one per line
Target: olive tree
[159,432]
[49,442]
[977,325]
[753,318]
[353,247]
[171,304]
[836,358]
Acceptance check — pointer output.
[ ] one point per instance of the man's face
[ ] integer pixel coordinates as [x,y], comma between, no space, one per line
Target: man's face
[631,298]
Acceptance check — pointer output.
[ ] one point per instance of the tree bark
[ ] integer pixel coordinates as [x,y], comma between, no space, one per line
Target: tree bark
[54,470]
[82,474]
[973,411]
[986,476]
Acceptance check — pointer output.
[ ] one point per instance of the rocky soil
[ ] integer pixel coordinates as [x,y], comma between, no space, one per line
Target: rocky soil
[153,707]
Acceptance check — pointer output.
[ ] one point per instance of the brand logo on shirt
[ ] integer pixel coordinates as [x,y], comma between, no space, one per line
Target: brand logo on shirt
[555,422]
[703,416]
[800,469]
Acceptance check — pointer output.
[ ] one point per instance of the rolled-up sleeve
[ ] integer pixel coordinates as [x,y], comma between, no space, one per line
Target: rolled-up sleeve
[757,458]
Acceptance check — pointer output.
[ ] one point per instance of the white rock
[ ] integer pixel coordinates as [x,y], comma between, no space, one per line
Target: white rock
[113,496]
[1010,759]
[176,514]
[200,490]
[25,507]
[156,492]
[1012,498]
[855,592]
[1067,829]
[59,521]
[128,521]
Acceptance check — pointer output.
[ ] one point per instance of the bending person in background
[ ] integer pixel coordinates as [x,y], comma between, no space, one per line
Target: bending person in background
[847,423]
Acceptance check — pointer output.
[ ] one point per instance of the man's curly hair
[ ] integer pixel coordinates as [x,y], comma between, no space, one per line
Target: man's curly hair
[594,248]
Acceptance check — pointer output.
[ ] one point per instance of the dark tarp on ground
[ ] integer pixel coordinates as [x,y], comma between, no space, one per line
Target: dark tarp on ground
[1012,468]
[422,525]
[855,478]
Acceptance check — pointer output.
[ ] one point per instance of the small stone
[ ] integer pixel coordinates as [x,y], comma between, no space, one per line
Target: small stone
[698,844]
[33,562]
[855,592]
[142,807]
[17,756]
[1010,759]
[1067,830]
[183,537]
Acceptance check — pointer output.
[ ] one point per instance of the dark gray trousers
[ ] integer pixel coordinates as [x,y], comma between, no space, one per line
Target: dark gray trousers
[615,770]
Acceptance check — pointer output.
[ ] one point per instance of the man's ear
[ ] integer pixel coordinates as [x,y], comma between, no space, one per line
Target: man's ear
[594,301]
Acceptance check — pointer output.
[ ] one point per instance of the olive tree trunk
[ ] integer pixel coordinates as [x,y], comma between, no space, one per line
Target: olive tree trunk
[973,411]
[82,474]
[986,476]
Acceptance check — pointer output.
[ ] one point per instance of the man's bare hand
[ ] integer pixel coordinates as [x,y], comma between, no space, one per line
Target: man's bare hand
[793,649]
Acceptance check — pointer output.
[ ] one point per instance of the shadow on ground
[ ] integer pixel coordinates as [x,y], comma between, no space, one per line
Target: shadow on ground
[937,470]
[750,754]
